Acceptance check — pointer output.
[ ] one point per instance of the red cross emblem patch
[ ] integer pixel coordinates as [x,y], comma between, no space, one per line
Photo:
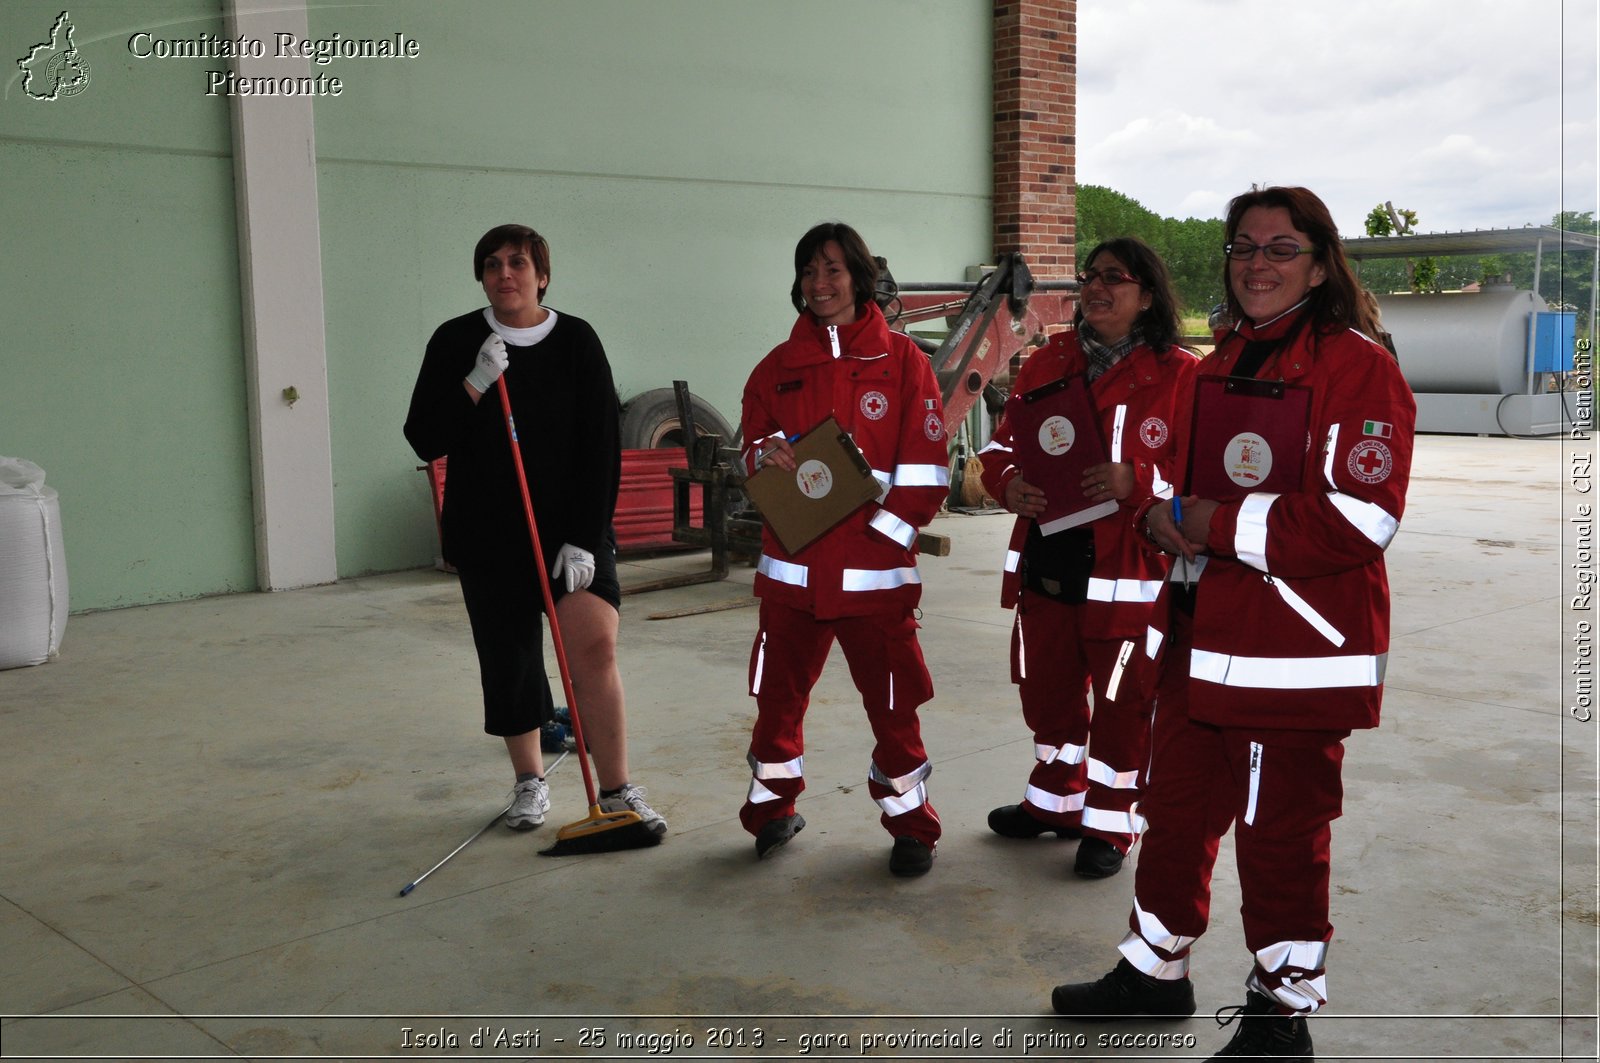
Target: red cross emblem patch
[874,405]
[1153,432]
[1370,461]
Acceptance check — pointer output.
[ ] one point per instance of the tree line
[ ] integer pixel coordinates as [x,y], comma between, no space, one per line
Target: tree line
[1192,249]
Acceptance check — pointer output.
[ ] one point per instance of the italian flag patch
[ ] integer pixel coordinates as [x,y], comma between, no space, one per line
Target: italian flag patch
[1377,429]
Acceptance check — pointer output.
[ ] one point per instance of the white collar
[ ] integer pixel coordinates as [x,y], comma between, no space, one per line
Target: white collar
[521,337]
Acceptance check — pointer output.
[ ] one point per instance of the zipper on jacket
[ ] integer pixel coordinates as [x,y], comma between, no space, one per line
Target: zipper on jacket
[833,338]
[1116,431]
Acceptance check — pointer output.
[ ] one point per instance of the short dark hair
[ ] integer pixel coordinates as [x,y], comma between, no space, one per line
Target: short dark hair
[863,267]
[520,237]
[1161,326]
[1338,301]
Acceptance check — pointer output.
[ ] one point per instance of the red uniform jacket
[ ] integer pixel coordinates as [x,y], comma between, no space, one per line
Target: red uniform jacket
[1291,624]
[881,389]
[1135,401]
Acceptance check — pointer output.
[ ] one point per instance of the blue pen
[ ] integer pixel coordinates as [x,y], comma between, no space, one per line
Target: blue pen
[1177,519]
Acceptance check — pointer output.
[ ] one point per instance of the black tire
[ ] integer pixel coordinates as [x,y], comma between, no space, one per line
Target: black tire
[650,421]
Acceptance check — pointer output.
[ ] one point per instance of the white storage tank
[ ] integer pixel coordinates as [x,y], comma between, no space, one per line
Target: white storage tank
[1473,343]
[33,566]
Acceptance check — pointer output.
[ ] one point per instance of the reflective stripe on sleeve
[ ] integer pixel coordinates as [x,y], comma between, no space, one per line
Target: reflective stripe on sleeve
[1288,673]
[1369,518]
[1250,533]
[784,571]
[894,528]
[921,476]
[878,579]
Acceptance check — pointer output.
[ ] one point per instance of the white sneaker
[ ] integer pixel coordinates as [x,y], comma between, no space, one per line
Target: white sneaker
[529,803]
[631,799]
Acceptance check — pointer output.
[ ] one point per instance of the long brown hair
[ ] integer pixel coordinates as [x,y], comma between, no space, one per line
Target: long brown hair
[1161,324]
[1339,301]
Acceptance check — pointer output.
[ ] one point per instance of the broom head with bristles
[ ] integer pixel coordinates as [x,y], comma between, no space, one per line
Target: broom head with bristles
[602,832]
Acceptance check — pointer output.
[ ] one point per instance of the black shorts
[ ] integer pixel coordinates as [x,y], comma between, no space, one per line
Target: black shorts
[504,603]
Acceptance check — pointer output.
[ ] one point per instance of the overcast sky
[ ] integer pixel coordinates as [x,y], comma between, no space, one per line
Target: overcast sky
[1476,114]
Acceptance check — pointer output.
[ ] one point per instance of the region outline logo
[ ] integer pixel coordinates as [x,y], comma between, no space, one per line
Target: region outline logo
[56,63]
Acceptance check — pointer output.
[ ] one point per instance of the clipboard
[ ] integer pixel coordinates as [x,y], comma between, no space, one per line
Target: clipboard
[831,480]
[1055,433]
[1249,435]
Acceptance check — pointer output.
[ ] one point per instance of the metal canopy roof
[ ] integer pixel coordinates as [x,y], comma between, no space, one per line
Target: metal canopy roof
[1478,242]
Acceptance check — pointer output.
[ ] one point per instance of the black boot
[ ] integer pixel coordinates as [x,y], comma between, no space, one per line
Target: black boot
[1097,858]
[1125,993]
[1265,1031]
[1014,821]
[775,833]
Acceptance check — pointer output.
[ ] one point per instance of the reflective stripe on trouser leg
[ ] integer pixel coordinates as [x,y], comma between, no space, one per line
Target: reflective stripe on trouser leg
[1052,676]
[1291,783]
[1186,815]
[785,661]
[1154,949]
[1119,742]
[1294,973]
[888,669]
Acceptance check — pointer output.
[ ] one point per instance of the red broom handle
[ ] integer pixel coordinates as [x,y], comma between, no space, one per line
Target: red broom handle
[544,588]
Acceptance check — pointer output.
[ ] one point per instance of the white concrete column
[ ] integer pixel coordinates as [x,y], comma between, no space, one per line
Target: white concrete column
[280,253]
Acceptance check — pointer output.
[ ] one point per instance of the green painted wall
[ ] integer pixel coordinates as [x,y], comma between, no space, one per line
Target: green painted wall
[120,365]
[671,150]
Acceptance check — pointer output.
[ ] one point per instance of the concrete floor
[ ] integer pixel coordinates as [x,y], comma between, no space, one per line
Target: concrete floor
[211,807]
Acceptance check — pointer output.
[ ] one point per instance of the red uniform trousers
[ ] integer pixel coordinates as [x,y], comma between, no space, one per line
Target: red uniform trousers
[887,666]
[1088,765]
[1280,791]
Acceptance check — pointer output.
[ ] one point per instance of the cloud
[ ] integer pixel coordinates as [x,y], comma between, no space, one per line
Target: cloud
[1474,115]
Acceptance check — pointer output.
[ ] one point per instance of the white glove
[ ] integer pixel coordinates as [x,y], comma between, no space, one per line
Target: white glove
[492,361]
[576,564]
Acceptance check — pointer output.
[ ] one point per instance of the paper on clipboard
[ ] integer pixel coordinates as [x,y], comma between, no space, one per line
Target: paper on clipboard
[1055,433]
[1249,435]
[830,481]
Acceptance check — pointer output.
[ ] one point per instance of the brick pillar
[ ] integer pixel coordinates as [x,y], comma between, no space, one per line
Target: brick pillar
[1035,129]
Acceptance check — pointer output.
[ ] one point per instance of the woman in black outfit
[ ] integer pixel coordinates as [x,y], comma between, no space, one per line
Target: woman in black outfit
[565,406]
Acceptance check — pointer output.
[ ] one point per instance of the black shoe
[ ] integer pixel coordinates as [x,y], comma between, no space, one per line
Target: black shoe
[775,834]
[1264,1030]
[1125,993]
[1097,858]
[1014,821]
[910,857]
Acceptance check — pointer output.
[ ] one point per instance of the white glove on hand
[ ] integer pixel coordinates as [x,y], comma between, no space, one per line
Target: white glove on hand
[492,361]
[576,564]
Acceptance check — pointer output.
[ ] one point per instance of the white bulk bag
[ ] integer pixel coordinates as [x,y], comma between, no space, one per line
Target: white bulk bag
[33,566]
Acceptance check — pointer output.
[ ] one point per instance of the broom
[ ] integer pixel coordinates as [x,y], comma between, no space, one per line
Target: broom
[599,832]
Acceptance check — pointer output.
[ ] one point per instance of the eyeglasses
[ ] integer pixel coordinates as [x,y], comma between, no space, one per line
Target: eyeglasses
[1241,252]
[1109,277]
